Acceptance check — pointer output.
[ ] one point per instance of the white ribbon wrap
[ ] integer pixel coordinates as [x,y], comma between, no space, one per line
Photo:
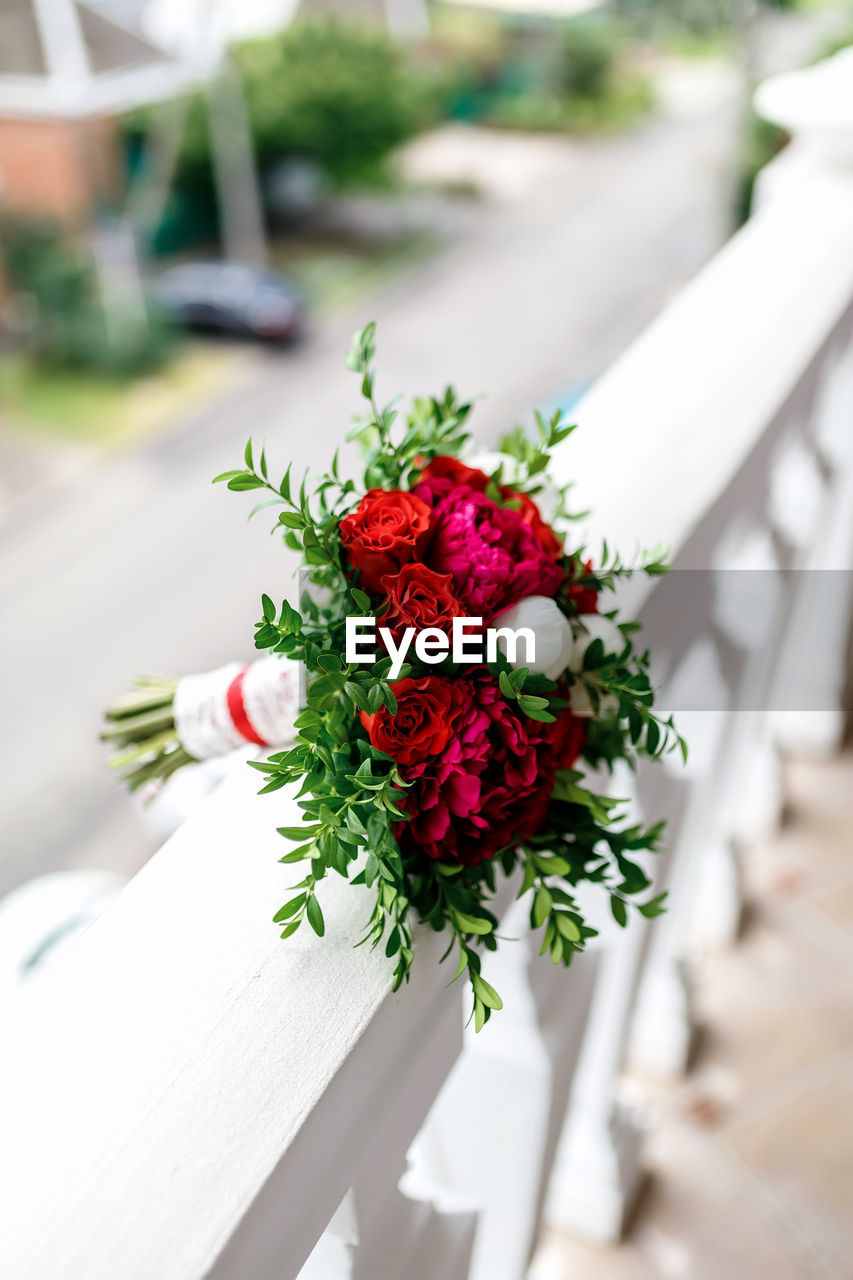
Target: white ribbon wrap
[271,699]
[268,696]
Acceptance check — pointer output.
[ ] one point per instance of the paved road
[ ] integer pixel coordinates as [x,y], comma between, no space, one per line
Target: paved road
[144,566]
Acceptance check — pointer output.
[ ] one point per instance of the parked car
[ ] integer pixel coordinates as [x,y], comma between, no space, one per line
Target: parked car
[232,298]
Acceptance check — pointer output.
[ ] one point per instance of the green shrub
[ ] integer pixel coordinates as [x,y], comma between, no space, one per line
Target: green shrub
[761,143]
[587,56]
[65,325]
[329,91]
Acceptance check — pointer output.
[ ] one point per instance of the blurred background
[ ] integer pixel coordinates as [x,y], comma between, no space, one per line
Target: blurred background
[200,200]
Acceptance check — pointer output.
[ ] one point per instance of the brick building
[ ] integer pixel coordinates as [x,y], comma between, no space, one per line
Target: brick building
[66,71]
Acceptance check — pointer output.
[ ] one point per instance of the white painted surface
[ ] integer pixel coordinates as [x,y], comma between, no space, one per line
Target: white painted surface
[196,1049]
[188,1096]
[684,406]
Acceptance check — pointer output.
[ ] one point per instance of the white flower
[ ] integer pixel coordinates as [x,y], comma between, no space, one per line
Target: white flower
[589,627]
[551,631]
[547,498]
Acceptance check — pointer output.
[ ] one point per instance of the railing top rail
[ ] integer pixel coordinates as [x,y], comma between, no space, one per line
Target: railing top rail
[152,1082]
[182,1053]
[666,429]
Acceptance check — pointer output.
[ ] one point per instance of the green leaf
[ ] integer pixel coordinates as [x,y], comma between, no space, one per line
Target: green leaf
[567,927]
[298,855]
[299,833]
[536,708]
[506,685]
[486,992]
[471,924]
[315,916]
[542,904]
[551,865]
[289,909]
[618,910]
[242,481]
[355,823]
[654,907]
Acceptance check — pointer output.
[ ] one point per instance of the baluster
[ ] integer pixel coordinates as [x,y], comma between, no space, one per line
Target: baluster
[814,664]
[717,908]
[597,1172]
[396,1219]
[662,1030]
[382,1232]
[493,1133]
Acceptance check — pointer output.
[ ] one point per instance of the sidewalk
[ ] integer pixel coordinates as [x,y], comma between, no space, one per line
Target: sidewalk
[751,1158]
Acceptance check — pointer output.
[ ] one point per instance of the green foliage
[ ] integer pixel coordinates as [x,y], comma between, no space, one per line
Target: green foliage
[761,143]
[66,324]
[352,795]
[552,75]
[331,91]
[587,58]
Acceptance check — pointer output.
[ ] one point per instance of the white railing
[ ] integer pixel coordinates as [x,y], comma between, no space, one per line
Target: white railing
[188,1096]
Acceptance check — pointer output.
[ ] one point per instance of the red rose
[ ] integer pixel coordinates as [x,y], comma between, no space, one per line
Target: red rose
[419,597]
[569,739]
[444,468]
[386,530]
[529,513]
[423,723]
[583,596]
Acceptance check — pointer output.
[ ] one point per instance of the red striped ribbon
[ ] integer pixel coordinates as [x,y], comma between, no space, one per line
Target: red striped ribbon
[238,713]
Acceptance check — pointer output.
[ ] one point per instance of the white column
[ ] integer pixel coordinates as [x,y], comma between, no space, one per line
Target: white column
[597,1172]
[493,1133]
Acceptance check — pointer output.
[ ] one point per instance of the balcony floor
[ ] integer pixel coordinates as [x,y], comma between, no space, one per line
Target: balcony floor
[751,1158]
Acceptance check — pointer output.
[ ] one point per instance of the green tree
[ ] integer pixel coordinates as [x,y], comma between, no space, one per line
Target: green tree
[333,92]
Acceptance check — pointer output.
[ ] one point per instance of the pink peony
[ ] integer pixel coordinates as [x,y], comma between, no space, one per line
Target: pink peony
[495,559]
[490,786]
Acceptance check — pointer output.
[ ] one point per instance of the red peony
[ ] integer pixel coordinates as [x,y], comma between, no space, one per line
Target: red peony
[444,473]
[494,557]
[584,597]
[529,513]
[569,739]
[491,785]
[423,724]
[387,530]
[419,597]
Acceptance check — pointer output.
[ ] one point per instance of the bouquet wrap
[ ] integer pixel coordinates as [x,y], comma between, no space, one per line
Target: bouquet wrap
[164,725]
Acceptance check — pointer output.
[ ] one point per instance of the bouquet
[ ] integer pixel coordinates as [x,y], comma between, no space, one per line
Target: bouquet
[462,675]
